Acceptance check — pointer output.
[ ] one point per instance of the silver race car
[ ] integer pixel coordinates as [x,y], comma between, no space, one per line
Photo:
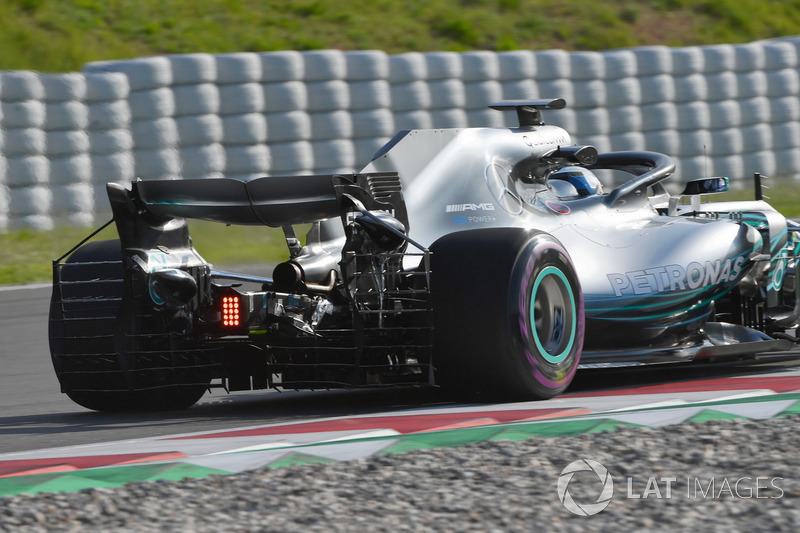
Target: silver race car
[488,261]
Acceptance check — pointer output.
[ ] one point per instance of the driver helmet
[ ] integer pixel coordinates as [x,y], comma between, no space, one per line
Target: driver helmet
[584,180]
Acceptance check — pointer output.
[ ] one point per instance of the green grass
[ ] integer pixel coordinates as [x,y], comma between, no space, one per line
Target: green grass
[28,255]
[783,195]
[62,35]
[225,246]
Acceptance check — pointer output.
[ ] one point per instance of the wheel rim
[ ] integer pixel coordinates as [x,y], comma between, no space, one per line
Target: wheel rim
[553,320]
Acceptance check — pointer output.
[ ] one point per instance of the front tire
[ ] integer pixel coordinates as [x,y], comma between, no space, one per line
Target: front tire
[508,315]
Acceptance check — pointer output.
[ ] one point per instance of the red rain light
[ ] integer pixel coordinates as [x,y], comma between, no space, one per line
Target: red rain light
[230,311]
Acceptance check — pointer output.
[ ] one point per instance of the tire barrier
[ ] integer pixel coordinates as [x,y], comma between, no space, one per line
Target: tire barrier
[722,108]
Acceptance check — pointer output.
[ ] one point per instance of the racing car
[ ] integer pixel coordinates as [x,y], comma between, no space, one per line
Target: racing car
[490,262]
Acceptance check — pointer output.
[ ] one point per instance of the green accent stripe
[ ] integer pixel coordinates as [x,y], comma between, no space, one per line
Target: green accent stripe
[791,411]
[692,307]
[102,477]
[514,431]
[300,459]
[710,415]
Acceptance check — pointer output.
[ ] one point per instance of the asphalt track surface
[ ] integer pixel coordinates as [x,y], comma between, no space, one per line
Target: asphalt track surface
[34,414]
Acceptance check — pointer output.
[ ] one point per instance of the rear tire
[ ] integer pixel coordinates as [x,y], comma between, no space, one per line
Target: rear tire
[173,399]
[508,315]
[84,347]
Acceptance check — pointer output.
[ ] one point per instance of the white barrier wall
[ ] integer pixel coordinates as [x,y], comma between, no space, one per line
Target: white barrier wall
[61,138]
[726,110]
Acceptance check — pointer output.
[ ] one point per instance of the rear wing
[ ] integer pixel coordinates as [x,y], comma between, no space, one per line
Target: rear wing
[274,201]
[153,212]
[271,201]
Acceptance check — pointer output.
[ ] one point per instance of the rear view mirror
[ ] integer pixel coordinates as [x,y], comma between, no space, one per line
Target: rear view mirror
[705,186]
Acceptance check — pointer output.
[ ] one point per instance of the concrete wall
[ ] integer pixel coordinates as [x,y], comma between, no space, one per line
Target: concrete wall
[62,137]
